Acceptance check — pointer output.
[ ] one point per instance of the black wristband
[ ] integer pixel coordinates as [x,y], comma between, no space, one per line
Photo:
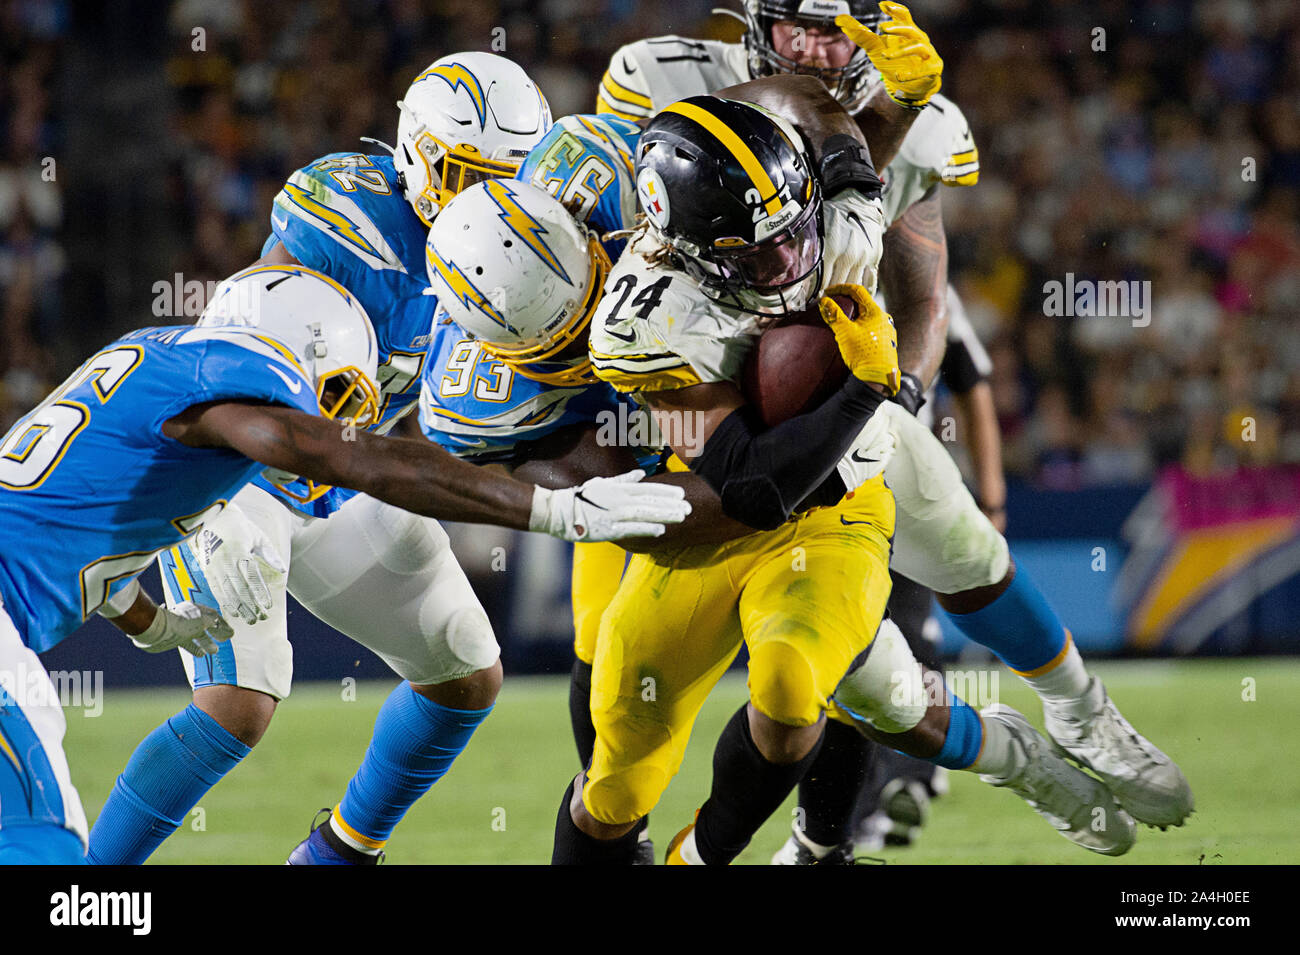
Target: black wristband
[846,164]
[910,393]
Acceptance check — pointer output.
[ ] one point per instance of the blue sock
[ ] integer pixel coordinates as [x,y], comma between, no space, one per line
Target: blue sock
[414,743]
[168,773]
[1019,626]
[961,747]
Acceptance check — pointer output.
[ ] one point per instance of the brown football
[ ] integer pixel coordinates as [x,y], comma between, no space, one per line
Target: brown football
[796,365]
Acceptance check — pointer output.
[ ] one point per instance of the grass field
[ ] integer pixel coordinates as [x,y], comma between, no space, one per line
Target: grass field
[498,803]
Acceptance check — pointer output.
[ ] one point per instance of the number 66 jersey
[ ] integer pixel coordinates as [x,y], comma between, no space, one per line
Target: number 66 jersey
[90,487]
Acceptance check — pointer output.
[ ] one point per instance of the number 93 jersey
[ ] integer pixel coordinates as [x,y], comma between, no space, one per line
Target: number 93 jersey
[345,216]
[90,487]
[476,407]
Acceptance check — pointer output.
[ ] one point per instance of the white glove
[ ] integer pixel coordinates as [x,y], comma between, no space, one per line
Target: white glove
[237,558]
[606,509]
[187,626]
[854,227]
[870,452]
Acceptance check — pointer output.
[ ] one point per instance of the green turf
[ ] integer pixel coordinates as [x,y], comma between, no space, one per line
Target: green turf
[498,803]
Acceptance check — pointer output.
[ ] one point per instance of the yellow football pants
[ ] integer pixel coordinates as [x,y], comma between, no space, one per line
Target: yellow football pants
[597,569]
[805,598]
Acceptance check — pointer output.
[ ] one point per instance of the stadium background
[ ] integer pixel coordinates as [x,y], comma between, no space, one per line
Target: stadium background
[1152,469]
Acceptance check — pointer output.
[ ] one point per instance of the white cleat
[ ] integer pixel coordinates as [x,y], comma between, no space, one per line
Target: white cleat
[1146,782]
[1079,807]
[798,851]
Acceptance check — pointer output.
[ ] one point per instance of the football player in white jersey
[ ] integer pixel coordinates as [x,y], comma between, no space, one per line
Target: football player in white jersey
[732,238]
[937,518]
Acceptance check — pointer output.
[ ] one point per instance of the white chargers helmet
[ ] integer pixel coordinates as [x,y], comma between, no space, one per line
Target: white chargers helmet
[517,272]
[468,117]
[319,326]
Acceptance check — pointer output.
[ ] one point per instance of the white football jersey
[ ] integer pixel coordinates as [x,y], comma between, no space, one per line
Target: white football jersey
[645,76]
[656,329]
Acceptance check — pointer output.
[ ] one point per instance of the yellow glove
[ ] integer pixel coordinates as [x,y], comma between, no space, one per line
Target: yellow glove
[904,55]
[868,343]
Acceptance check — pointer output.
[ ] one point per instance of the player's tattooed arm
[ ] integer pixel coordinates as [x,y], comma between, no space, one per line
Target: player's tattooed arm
[881,124]
[914,281]
[884,124]
[979,422]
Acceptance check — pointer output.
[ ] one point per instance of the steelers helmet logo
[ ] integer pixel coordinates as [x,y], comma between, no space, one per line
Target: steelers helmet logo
[653,197]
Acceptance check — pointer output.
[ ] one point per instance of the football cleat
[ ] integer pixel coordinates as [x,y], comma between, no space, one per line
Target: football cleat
[796,852]
[904,807]
[323,847]
[673,856]
[1079,807]
[645,850]
[1147,783]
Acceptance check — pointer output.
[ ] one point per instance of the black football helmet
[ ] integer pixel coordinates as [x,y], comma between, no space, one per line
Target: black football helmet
[731,190]
[850,84]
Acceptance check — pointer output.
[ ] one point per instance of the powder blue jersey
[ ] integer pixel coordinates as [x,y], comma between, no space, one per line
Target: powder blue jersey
[475,406]
[344,215]
[472,403]
[91,489]
[587,163]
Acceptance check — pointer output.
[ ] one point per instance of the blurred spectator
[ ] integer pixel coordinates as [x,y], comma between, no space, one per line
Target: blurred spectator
[1169,154]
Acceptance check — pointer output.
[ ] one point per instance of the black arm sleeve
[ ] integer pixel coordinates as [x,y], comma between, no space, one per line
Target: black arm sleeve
[763,474]
[846,164]
[959,371]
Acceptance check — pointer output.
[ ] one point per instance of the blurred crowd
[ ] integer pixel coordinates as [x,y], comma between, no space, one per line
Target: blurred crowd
[1124,140]
[32,259]
[1164,148]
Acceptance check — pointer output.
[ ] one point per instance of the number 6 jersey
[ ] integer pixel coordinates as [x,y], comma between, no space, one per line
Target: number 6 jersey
[90,487]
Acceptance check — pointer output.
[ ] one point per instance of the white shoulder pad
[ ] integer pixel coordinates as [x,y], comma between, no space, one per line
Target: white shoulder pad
[645,76]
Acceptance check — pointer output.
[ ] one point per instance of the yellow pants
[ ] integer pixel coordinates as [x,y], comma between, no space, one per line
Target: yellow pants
[597,570]
[805,598]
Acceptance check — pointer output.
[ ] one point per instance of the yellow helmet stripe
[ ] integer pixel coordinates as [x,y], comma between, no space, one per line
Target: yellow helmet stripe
[522,224]
[461,287]
[737,147]
[454,75]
